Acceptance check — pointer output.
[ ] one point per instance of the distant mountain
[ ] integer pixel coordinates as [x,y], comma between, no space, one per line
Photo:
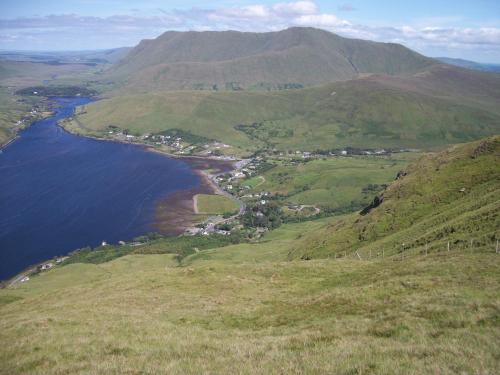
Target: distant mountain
[470,64]
[232,60]
[108,56]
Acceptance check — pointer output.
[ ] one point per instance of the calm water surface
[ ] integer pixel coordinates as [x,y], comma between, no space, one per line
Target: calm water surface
[60,192]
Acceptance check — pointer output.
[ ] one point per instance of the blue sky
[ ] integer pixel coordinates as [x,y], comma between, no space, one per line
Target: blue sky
[466,29]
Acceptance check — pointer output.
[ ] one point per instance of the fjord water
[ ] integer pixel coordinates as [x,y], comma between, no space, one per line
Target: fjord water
[60,192]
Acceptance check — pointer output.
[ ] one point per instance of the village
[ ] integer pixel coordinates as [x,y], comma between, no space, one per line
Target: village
[35,113]
[184,143]
[176,142]
[259,211]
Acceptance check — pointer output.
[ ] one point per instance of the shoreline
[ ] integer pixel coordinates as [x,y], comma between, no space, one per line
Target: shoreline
[8,142]
[177,212]
[46,112]
[15,137]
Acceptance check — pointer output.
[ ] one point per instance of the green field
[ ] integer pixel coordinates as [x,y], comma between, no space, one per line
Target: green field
[253,182]
[215,204]
[337,184]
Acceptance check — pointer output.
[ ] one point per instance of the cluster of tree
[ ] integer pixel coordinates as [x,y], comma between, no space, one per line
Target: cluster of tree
[154,243]
[117,129]
[268,215]
[233,86]
[98,255]
[151,236]
[269,86]
[348,150]
[56,91]
[186,136]
[373,188]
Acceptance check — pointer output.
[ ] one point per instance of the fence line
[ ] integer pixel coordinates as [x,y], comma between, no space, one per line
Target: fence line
[406,250]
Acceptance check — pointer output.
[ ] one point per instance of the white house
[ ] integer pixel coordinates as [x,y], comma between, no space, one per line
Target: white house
[47,266]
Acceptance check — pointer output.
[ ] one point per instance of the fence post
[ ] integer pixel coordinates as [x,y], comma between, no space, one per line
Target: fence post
[448,245]
[426,245]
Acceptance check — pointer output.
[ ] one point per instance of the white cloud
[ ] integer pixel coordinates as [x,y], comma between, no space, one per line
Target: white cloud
[321,20]
[245,13]
[296,8]
[429,35]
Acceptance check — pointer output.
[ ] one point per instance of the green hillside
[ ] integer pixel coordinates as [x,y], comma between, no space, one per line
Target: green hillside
[11,111]
[253,309]
[232,60]
[452,196]
[14,109]
[441,106]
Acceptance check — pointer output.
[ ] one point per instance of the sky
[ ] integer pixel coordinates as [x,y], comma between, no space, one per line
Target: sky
[468,29]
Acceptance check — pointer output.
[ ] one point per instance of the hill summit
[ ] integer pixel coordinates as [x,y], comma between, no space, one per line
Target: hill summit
[291,58]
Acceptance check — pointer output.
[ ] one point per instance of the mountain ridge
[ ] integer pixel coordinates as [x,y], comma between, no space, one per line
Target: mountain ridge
[468,64]
[302,56]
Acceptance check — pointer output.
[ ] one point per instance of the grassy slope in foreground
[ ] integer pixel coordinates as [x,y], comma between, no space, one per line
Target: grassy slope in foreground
[445,105]
[450,196]
[241,310]
[245,309]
